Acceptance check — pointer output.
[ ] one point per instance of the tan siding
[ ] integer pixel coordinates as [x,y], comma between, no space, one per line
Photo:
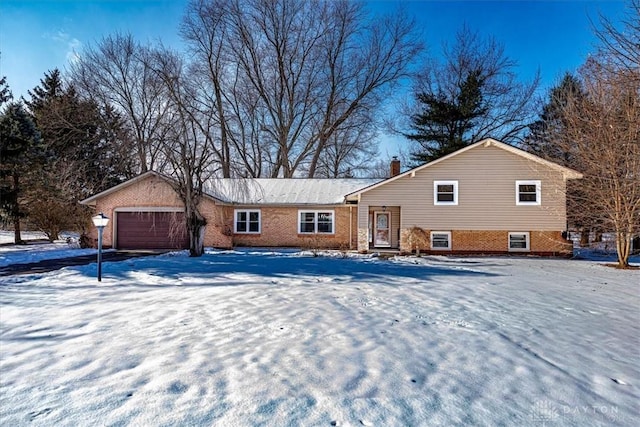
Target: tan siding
[486,194]
[363,214]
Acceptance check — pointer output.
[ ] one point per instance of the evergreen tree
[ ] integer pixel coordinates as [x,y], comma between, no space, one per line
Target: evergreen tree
[80,161]
[472,94]
[543,141]
[5,92]
[20,154]
[544,131]
[447,119]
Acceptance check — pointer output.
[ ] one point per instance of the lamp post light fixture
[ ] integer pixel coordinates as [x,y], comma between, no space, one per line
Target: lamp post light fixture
[100,221]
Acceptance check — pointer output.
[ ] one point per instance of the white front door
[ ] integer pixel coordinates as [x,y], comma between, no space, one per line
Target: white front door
[382,232]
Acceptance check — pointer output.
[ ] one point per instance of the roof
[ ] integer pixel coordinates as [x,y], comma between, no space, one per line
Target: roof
[91,201]
[286,191]
[488,142]
[266,191]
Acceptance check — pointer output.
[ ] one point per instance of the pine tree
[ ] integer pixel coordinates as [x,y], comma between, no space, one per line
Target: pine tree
[472,93]
[446,120]
[544,131]
[543,140]
[80,158]
[20,154]
[5,92]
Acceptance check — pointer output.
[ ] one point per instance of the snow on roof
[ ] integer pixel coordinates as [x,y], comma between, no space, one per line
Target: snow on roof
[282,191]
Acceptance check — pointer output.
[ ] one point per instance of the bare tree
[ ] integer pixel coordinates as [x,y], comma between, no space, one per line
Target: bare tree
[474,93]
[114,73]
[348,152]
[277,46]
[190,149]
[205,28]
[286,75]
[602,135]
[621,46]
[362,62]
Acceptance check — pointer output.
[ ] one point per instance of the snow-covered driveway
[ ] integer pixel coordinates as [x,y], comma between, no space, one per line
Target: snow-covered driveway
[276,339]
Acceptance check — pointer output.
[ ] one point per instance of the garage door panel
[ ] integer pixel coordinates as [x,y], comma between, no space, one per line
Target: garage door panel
[151,230]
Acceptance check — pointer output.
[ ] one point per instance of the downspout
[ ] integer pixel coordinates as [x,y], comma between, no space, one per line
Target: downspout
[350,227]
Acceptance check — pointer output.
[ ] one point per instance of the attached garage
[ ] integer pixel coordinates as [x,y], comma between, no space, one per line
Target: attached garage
[150,230]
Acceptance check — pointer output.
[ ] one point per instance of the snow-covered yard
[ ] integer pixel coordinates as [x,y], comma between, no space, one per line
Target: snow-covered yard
[281,338]
[38,249]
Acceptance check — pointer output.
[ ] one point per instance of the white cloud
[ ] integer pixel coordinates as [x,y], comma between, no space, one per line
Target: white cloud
[71,44]
[74,46]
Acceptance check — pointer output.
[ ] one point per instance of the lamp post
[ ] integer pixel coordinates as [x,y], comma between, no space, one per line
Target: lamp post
[100,221]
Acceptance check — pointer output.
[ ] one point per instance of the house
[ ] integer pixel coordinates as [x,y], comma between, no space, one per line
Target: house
[147,214]
[488,197]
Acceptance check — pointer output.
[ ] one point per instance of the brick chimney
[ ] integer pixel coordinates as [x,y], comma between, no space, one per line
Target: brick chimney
[395,166]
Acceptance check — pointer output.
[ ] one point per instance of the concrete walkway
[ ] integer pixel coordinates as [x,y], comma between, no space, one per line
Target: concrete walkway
[47,265]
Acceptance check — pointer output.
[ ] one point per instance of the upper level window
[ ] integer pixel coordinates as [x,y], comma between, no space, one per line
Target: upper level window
[445,192]
[528,192]
[315,222]
[247,221]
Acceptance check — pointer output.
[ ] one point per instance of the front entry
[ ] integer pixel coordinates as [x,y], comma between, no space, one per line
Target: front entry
[382,232]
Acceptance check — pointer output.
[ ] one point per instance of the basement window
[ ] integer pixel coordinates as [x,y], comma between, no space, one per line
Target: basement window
[247,221]
[441,240]
[519,241]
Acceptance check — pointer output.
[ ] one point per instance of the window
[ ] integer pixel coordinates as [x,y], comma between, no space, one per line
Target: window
[519,242]
[247,221]
[445,192]
[316,222]
[528,192]
[441,240]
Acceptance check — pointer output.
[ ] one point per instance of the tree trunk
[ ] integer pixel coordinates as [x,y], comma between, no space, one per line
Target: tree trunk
[16,231]
[584,237]
[322,142]
[16,211]
[195,227]
[598,235]
[623,245]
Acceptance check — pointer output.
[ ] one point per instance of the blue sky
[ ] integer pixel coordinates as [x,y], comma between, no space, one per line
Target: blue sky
[553,36]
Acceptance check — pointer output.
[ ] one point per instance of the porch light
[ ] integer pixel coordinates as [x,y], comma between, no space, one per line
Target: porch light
[100,221]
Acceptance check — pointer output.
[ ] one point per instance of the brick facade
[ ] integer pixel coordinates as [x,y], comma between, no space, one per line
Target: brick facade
[154,193]
[496,242]
[279,228]
[279,225]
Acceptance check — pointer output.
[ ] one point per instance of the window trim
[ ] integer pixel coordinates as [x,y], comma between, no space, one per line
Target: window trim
[527,241]
[447,233]
[538,185]
[315,221]
[436,202]
[248,212]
